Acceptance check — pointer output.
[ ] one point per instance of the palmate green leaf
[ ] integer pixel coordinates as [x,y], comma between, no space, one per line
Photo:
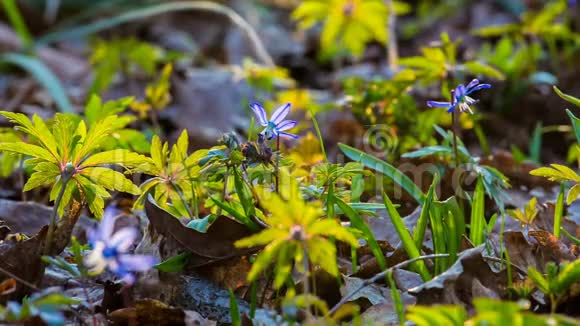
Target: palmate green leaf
[385,168]
[265,258]
[28,149]
[331,228]
[121,157]
[323,252]
[568,275]
[573,194]
[452,315]
[94,194]
[111,179]
[557,172]
[39,179]
[538,279]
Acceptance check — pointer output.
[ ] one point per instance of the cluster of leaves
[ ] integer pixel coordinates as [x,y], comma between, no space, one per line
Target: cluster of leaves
[298,234]
[128,56]
[353,23]
[558,280]
[45,306]
[489,312]
[68,156]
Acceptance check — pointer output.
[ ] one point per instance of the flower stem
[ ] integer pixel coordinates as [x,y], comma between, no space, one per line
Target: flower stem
[50,235]
[453,127]
[277,163]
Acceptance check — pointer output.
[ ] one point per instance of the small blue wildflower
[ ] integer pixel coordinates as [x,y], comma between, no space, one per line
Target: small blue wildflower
[572,3]
[460,97]
[276,125]
[110,250]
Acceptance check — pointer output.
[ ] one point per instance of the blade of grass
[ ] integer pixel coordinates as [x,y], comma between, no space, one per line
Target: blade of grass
[17,22]
[396,296]
[76,32]
[476,230]
[43,75]
[318,134]
[358,223]
[406,239]
[559,211]
[385,168]
[438,234]
[421,228]
[234,310]
[454,237]
[536,143]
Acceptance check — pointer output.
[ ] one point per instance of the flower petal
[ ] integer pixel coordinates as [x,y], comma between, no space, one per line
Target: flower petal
[137,263]
[285,125]
[107,225]
[123,239]
[436,104]
[478,87]
[472,84]
[280,113]
[260,113]
[287,135]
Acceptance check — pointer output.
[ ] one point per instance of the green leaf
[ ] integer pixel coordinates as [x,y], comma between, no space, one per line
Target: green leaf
[573,194]
[536,143]
[174,264]
[421,228]
[538,279]
[234,213]
[396,296]
[559,211]
[575,124]
[476,231]
[201,224]
[122,157]
[406,239]
[566,97]
[27,149]
[235,310]
[111,180]
[390,171]
[427,151]
[479,68]
[43,75]
[358,223]
[568,275]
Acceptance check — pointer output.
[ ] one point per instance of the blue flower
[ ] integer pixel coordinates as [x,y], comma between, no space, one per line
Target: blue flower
[111,250]
[276,125]
[460,97]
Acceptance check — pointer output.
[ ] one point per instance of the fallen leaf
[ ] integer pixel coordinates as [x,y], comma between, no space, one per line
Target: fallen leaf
[149,312]
[214,245]
[7,286]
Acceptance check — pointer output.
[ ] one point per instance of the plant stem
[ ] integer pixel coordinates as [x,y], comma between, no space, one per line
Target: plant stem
[392,35]
[382,275]
[277,163]
[49,236]
[453,127]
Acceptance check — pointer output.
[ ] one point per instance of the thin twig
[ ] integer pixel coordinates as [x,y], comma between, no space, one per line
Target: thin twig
[74,32]
[502,261]
[18,279]
[381,275]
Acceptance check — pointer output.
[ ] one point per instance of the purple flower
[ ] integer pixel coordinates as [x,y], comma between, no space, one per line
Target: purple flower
[111,250]
[460,97]
[276,125]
